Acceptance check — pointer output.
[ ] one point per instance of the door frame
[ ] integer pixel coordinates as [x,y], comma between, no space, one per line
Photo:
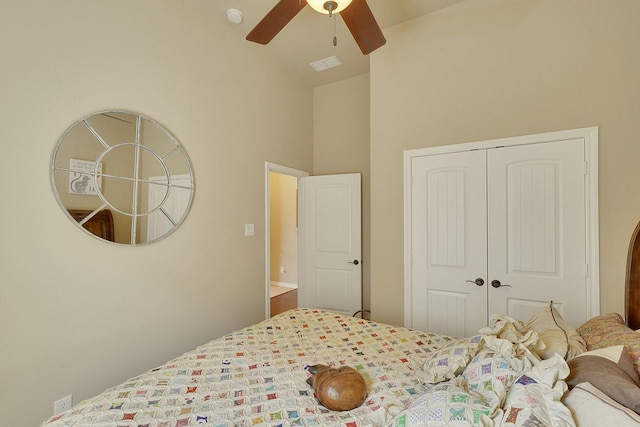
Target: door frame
[285,170]
[590,137]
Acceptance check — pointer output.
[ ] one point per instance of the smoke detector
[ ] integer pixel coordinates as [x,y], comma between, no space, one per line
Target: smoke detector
[234,16]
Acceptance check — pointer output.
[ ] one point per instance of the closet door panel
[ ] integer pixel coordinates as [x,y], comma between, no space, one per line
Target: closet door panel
[536,232]
[449,242]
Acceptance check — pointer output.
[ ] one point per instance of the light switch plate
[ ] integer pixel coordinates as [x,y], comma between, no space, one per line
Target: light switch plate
[249,230]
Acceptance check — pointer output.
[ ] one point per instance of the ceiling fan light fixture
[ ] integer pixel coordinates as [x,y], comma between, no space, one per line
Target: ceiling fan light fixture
[329,7]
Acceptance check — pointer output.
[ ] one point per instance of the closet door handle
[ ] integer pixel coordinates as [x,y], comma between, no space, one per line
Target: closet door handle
[479,281]
[496,284]
[354,262]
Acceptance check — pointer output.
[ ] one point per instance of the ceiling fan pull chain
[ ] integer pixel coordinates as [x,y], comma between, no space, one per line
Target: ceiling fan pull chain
[335,38]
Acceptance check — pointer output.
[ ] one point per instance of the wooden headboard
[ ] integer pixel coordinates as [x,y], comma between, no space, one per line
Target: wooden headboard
[101,224]
[632,287]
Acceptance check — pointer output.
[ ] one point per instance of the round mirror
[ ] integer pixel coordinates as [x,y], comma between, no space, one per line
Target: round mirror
[122,177]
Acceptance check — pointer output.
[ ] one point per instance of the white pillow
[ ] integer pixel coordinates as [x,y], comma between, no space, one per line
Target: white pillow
[592,408]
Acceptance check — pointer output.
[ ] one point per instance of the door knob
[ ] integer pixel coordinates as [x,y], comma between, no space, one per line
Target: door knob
[497,284]
[479,281]
[354,262]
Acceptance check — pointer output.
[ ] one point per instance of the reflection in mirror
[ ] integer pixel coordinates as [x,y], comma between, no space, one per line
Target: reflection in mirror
[122,177]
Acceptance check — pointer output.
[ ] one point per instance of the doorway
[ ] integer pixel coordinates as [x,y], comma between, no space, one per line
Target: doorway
[281,225]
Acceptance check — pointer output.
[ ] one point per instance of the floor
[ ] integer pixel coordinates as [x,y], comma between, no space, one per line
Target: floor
[282,299]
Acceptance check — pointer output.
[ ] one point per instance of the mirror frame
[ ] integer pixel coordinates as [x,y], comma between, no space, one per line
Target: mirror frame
[98,222]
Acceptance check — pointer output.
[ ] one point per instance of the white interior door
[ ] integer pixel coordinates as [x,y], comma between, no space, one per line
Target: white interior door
[537,230]
[330,243]
[173,209]
[449,229]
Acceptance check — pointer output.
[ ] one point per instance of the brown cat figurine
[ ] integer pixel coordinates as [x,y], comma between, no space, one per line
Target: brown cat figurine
[339,389]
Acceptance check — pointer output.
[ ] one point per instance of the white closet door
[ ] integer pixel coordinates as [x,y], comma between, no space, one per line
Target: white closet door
[536,232]
[515,218]
[449,229]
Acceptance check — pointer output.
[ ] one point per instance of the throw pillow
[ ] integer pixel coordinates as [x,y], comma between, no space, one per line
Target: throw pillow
[611,371]
[556,334]
[608,330]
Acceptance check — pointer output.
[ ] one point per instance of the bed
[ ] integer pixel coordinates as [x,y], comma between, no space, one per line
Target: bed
[257,376]
[540,373]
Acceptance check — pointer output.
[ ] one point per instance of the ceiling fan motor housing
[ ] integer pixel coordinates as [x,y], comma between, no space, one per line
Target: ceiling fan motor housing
[329,6]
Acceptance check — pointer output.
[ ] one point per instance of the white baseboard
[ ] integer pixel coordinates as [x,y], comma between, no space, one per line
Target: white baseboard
[284,284]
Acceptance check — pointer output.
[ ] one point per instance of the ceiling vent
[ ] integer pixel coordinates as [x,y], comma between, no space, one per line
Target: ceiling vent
[326,63]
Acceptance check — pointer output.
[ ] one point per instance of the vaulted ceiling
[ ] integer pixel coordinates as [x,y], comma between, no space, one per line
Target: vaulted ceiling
[309,36]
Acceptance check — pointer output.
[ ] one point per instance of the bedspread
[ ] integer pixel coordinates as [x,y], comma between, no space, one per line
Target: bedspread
[256,376]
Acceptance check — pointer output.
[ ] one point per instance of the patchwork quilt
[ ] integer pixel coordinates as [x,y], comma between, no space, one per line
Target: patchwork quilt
[256,377]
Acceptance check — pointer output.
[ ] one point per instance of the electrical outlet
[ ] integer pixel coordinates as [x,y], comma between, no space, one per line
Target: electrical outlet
[63,404]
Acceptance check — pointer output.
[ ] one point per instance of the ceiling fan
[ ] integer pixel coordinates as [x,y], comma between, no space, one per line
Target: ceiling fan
[355,13]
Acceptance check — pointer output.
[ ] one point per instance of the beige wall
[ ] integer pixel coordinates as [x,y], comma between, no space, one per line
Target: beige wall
[341,145]
[495,68]
[78,315]
[482,69]
[283,231]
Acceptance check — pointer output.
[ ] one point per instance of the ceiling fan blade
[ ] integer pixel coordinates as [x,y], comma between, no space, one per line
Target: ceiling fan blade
[363,26]
[275,20]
